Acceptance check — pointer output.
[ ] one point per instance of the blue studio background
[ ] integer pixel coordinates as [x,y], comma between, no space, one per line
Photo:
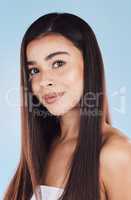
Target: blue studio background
[110,21]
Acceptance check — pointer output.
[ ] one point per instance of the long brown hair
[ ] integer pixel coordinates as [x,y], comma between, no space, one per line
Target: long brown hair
[38,131]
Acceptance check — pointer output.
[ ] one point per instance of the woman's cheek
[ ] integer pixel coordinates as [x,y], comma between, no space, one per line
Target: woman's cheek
[70,76]
[35,87]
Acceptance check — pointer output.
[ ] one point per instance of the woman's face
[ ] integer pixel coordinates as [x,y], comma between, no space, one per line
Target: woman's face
[55,66]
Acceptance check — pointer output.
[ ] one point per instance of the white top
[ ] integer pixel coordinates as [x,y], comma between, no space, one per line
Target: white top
[49,192]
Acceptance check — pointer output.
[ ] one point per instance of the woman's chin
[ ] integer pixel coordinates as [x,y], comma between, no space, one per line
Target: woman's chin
[57,111]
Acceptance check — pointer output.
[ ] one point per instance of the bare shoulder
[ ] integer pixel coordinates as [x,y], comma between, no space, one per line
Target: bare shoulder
[117,144]
[115,163]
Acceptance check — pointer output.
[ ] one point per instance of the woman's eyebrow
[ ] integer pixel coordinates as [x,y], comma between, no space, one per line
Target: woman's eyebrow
[55,53]
[31,62]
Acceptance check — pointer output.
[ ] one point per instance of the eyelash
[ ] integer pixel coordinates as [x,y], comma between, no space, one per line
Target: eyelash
[57,61]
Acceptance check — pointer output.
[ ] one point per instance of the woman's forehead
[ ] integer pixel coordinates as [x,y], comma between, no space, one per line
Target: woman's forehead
[51,40]
[49,44]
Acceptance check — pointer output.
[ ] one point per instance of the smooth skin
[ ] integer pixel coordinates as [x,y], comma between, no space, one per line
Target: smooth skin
[64,72]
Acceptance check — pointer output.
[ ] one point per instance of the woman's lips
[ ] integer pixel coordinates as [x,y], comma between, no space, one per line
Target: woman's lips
[49,99]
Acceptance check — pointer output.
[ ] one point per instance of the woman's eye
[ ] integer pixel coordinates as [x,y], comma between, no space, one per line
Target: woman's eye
[32,71]
[58,63]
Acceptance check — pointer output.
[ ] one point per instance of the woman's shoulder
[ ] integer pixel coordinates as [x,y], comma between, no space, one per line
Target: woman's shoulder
[116,142]
[115,161]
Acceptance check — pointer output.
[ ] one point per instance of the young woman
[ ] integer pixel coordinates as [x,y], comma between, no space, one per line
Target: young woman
[68,142]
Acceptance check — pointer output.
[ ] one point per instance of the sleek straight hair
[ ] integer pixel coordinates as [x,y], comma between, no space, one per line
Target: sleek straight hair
[38,131]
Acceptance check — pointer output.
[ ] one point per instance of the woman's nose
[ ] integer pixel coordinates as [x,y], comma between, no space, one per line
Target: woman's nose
[46,79]
[46,83]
